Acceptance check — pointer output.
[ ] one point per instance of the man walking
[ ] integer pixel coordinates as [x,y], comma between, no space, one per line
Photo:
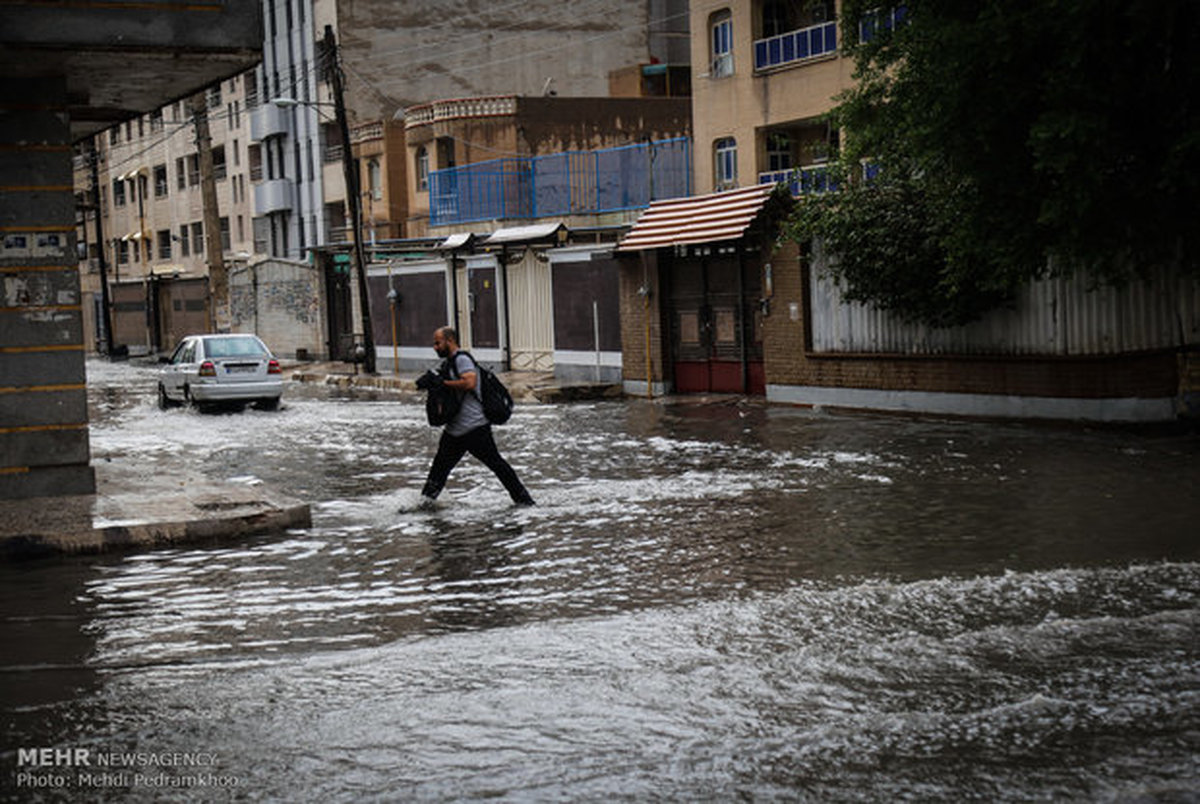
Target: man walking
[469,430]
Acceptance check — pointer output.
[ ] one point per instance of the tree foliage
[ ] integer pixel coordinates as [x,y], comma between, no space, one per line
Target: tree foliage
[1013,138]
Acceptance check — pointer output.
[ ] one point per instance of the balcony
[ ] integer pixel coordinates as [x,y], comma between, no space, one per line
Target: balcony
[807,180]
[460,108]
[272,196]
[268,121]
[794,47]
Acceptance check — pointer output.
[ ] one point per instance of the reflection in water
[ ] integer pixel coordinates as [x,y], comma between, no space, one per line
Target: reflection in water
[711,601]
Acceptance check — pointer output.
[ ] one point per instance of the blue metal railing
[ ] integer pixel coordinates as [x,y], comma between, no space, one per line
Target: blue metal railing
[568,183]
[802,181]
[806,43]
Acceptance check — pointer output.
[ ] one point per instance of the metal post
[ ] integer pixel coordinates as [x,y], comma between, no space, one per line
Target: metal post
[337,80]
[105,307]
[218,281]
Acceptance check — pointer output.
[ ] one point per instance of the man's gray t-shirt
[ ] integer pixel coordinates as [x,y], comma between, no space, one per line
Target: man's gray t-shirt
[470,414]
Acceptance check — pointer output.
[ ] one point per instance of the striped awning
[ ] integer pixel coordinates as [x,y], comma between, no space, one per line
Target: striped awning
[698,219]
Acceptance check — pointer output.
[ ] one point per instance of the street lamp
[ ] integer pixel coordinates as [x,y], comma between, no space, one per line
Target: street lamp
[353,201]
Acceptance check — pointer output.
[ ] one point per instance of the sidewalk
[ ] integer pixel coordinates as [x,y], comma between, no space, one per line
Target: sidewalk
[135,510]
[536,387]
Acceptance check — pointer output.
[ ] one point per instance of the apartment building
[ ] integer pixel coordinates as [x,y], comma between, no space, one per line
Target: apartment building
[152,230]
[765,73]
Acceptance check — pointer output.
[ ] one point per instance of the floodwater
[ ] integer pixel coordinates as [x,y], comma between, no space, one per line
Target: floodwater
[713,600]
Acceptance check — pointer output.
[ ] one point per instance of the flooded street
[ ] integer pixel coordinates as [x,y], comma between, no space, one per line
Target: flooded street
[711,601]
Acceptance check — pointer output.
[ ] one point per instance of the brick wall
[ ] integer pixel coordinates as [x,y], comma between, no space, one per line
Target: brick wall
[633,275]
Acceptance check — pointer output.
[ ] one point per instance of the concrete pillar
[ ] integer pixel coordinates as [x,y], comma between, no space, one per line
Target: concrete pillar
[43,394]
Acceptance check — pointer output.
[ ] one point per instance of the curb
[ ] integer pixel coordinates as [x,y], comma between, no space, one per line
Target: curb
[210,520]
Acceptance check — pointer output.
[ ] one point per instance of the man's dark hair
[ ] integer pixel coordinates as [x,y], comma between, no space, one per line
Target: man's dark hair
[450,334]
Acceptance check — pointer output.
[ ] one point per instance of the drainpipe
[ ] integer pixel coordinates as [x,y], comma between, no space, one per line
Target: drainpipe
[454,291]
[743,351]
[503,298]
[644,292]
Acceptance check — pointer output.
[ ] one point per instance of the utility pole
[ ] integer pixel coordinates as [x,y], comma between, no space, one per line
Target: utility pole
[353,200]
[105,312]
[218,281]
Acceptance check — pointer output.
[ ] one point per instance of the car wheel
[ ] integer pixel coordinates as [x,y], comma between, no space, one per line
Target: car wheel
[164,401]
[270,403]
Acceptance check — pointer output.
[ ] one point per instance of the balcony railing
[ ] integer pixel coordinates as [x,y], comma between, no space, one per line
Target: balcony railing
[366,133]
[458,108]
[570,183]
[795,46]
[805,180]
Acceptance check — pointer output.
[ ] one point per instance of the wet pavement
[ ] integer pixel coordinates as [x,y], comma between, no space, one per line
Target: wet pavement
[713,600]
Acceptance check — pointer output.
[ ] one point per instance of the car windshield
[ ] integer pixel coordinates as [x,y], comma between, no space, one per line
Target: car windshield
[234,347]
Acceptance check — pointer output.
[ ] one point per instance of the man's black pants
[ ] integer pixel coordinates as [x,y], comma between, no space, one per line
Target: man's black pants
[478,442]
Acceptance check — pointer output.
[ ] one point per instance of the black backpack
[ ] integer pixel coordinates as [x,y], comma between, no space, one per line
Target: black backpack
[497,401]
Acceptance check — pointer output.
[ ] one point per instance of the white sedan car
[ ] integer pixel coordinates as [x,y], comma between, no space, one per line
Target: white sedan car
[215,369]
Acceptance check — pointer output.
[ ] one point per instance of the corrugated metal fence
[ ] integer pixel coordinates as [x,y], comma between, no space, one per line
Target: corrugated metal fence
[1050,317]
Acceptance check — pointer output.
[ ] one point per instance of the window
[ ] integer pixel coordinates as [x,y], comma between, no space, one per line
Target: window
[422,169]
[776,18]
[375,180]
[180,174]
[122,252]
[880,19]
[119,193]
[254,157]
[725,168]
[779,152]
[163,237]
[445,153]
[218,157]
[721,26]
[193,165]
[198,238]
[183,241]
[250,86]
[226,245]
[156,120]
[795,32]
[214,96]
[161,185]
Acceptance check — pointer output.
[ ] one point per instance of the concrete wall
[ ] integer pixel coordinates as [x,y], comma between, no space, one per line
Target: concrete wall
[282,303]
[43,392]
[414,52]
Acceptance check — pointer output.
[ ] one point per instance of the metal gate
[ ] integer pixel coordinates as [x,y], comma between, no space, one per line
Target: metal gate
[182,307]
[340,317]
[716,325]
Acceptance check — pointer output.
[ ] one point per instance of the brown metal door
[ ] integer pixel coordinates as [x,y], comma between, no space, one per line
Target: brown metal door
[129,314]
[484,309]
[716,328]
[182,310]
[341,324]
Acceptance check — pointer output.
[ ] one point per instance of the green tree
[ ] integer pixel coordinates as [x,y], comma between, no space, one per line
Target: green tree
[1013,139]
